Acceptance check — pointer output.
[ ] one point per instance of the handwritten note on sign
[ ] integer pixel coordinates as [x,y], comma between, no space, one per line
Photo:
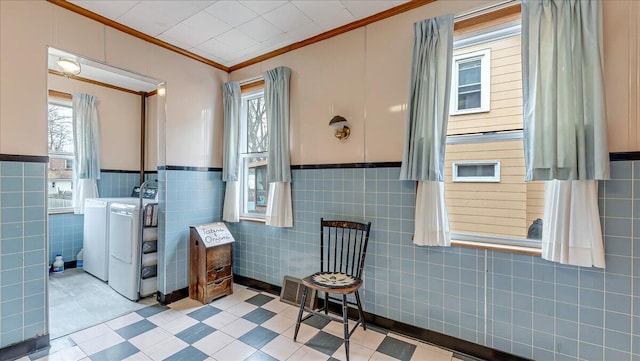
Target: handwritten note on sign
[214,234]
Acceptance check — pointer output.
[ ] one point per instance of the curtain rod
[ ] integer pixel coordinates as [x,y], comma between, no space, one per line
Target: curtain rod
[485,9]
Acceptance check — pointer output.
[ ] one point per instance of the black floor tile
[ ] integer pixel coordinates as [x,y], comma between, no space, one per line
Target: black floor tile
[259,315]
[135,329]
[117,352]
[151,310]
[259,300]
[317,322]
[325,343]
[203,313]
[258,337]
[194,333]
[190,353]
[260,356]
[396,348]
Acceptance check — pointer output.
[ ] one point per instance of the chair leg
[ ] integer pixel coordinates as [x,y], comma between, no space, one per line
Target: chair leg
[304,299]
[326,303]
[345,321]
[360,313]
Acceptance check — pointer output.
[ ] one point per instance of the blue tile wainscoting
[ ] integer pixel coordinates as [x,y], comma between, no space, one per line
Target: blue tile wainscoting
[23,257]
[188,196]
[65,229]
[514,303]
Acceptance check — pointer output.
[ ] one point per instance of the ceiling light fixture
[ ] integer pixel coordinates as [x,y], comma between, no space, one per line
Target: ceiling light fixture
[69,67]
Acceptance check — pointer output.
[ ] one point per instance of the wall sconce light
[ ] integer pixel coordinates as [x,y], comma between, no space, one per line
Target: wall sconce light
[69,67]
[340,125]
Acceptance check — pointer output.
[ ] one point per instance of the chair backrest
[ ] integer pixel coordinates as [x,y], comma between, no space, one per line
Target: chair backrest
[343,246]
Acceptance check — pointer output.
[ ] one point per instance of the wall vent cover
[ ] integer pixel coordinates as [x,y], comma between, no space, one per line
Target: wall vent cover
[291,293]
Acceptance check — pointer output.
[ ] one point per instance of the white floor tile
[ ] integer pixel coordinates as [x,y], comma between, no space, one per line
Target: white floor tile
[150,339]
[369,339]
[225,302]
[429,352]
[305,353]
[238,328]
[123,321]
[337,329]
[220,320]
[378,356]
[179,324]
[167,348]
[236,350]
[356,353]
[165,317]
[281,347]
[242,293]
[213,342]
[100,343]
[278,323]
[68,354]
[241,309]
[304,335]
[89,333]
[276,306]
[292,312]
[186,305]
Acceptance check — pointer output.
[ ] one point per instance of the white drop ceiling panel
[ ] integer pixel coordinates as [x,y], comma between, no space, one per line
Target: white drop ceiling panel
[230,31]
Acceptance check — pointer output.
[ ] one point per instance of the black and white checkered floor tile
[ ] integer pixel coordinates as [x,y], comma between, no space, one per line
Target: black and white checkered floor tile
[247,325]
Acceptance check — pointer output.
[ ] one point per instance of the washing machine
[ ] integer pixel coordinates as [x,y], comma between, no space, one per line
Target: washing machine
[96,229]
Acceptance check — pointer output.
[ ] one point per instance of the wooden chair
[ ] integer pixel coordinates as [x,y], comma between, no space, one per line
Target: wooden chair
[343,247]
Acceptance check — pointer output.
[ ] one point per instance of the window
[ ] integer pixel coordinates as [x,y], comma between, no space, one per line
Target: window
[476,171]
[254,143]
[61,154]
[486,195]
[470,83]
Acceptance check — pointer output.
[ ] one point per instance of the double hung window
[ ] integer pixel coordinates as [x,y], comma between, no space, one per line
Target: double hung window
[61,154]
[254,143]
[486,195]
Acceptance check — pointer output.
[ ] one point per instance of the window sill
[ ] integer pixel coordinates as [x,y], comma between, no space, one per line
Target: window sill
[250,219]
[60,211]
[531,251]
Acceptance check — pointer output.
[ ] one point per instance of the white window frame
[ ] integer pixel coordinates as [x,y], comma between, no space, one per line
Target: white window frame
[245,158]
[485,81]
[455,177]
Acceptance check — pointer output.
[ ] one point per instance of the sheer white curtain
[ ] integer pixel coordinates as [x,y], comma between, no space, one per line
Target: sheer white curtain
[231,97]
[426,129]
[86,141]
[276,96]
[565,129]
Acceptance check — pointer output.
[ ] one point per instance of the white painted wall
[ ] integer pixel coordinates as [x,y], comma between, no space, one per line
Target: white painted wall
[194,100]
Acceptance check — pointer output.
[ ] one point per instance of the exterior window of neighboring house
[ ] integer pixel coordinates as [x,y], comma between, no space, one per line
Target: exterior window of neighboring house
[487,197]
[476,171]
[470,82]
[254,144]
[61,153]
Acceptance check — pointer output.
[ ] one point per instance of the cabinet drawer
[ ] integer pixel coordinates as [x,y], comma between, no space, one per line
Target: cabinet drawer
[218,273]
[219,288]
[219,256]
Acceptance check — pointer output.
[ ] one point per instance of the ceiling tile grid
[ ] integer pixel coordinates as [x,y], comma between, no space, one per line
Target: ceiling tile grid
[229,31]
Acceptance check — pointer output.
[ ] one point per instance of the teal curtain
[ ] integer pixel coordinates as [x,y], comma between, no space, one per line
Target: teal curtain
[276,98]
[86,137]
[565,128]
[428,106]
[231,108]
